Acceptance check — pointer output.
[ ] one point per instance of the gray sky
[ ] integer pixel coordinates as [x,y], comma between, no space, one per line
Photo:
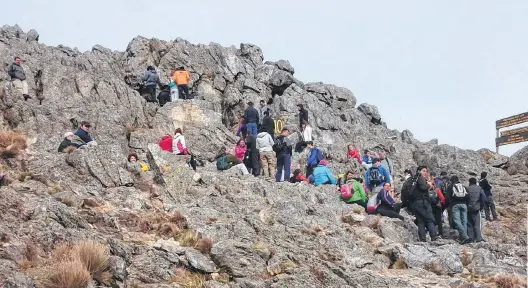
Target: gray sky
[442,69]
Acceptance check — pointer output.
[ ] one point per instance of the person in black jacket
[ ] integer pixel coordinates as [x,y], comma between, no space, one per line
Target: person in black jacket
[251,118]
[164,95]
[475,204]
[82,132]
[252,160]
[489,205]
[457,199]
[268,124]
[303,116]
[283,150]
[421,205]
[66,142]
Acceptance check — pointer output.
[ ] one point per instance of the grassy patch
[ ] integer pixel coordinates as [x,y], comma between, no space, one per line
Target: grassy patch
[435,267]
[68,274]
[204,245]
[187,279]
[399,264]
[12,143]
[260,246]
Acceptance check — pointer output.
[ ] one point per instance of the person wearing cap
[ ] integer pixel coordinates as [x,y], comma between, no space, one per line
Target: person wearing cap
[181,77]
[18,77]
[67,142]
[84,135]
[322,175]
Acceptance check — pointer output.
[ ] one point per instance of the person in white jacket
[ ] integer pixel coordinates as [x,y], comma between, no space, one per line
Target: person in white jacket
[178,143]
[267,157]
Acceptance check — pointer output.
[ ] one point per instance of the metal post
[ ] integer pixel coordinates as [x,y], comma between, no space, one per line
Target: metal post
[497,146]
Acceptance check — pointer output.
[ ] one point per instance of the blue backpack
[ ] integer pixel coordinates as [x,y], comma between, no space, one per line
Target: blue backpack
[221,163]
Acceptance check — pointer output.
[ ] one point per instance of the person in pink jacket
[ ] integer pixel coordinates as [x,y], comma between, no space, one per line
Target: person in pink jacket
[240,149]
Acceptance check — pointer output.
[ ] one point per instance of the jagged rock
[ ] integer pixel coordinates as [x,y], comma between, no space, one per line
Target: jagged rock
[199,261]
[32,35]
[426,257]
[370,111]
[518,162]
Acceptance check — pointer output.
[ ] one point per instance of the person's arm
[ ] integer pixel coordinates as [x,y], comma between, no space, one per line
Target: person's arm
[245,116]
[187,76]
[11,71]
[422,184]
[386,174]
[359,188]
[367,184]
[440,196]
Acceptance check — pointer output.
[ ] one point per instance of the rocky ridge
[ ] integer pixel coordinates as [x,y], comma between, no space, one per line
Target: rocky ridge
[264,234]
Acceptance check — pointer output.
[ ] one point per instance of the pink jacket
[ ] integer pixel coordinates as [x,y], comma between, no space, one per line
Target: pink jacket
[239,152]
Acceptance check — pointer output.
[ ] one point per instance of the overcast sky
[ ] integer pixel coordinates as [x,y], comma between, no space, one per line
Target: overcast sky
[442,69]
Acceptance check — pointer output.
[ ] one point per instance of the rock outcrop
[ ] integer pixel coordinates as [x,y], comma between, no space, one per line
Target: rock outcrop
[231,230]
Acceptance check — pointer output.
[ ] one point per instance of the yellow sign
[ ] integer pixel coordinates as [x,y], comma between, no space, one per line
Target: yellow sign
[278,126]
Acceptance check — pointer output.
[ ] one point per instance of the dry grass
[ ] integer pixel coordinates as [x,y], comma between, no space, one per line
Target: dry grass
[204,245]
[466,257]
[287,264]
[68,201]
[357,209]
[435,267]
[12,143]
[178,219]
[61,252]
[399,264]
[508,281]
[53,188]
[93,256]
[371,239]
[32,251]
[71,274]
[260,246]
[169,230]
[329,256]
[187,279]
[24,176]
[25,264]
[188,238]
[318,273]
[211,220]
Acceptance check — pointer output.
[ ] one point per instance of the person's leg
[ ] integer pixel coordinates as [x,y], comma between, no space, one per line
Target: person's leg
[450,217]
[477,228]
[181,92]
[287,166]
[421,228]
[186,89]
[491,205]
[255,164]
[264,163]
[174,93]
[389,213]
[470,225]
[438,220]
[309,170]
[25,89]
[280,166]
[463,217]
[272,163]
[487,210]
[193,163]
[396,208]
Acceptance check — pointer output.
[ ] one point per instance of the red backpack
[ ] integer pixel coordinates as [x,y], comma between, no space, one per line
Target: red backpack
[346,191]
[166,143]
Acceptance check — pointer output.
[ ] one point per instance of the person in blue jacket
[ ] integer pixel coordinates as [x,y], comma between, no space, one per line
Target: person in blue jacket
[366,160]
[314,156]
[322,175]
[376,176]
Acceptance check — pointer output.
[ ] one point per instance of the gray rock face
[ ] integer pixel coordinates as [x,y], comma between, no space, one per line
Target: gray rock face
[265,234]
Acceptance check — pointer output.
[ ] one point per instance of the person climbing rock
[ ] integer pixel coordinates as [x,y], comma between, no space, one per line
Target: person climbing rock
[241,128]
[283,151]
[303,115]
[376,176]
[489,205]
[265,148]
[150,80]
[322,175]
[421,204]
[84,135]
[135,166]
[240,149]
[476,200]
[314,157]
[352,191]
[251,118]
[18,77]
[268,124]
[387,205]
[352,153]
[182,78]
[67,142]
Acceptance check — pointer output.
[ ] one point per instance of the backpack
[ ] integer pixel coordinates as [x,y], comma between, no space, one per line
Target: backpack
[221,163]
[280,145]
[433,197]
[459,191]
[346,191]
[166,143]
[444,187]
[407,189]
[372,204]
[375,176]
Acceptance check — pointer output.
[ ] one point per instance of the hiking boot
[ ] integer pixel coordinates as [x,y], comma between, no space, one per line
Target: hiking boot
[26,97]
[489,220]
[480,240]
[466,241]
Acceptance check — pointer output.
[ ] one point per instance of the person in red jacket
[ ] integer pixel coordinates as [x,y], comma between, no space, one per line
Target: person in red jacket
[352,153]
[240,149]
[438,208]
[298,177]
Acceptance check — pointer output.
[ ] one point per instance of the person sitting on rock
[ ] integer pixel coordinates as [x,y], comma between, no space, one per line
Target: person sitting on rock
[376,176]
[367,159]
[322,175]
[135,166]
[18,77]
[182,78]
[150,80]
[352,191]
[67,142]
[178,143]
[266,155]
[240,149]
[242,128]
[298,177]
[225,161]
[387,206]
[83,135]
[352,153]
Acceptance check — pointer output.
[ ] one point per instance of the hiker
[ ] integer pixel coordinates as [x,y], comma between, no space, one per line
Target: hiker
[420,204]
[265,108]
[443,183]
[135,166]
[268,124]
[283,151]
[181,77]
[18,77]
[476,200]
[489,205]
[265,149]
[84,135]
[314,157]
[367,159]
[376,176]
[150,79]
[252,161]
[225,161]
[67,142]
[298,177]
[178,143]
[251,118]
[242,128]
[303,115]
[352,153]
[240,149]
[457,199]
[386,162]
[164,96]
[307,131]
[322,175]
[438,203]
[173,87]
[387,206]
[352,191]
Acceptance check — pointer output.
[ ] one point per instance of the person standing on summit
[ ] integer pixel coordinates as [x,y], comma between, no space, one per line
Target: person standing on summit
[303,116]
[18,77]
[489,205]
[150,80]
[251,118]
[182,78]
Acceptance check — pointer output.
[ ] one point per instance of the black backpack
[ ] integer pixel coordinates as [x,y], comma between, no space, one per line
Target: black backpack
[375,176]
[280,145]
[406,192]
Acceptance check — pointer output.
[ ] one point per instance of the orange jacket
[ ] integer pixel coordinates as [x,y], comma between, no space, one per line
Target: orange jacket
[181,77]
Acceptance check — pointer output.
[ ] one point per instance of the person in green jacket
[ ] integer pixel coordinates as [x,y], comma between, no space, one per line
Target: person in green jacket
[358,197]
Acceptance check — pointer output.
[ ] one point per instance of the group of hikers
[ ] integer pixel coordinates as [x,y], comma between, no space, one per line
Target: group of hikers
[178,87]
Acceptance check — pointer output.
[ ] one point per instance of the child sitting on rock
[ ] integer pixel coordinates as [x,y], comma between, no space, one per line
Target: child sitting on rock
[135,166]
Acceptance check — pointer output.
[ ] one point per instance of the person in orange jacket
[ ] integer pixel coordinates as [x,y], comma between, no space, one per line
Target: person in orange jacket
[181,77]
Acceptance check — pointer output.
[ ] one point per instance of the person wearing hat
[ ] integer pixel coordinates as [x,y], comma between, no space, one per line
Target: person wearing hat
[67,142]
[18,77]
[322,175]
[84,135]
[181,77]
